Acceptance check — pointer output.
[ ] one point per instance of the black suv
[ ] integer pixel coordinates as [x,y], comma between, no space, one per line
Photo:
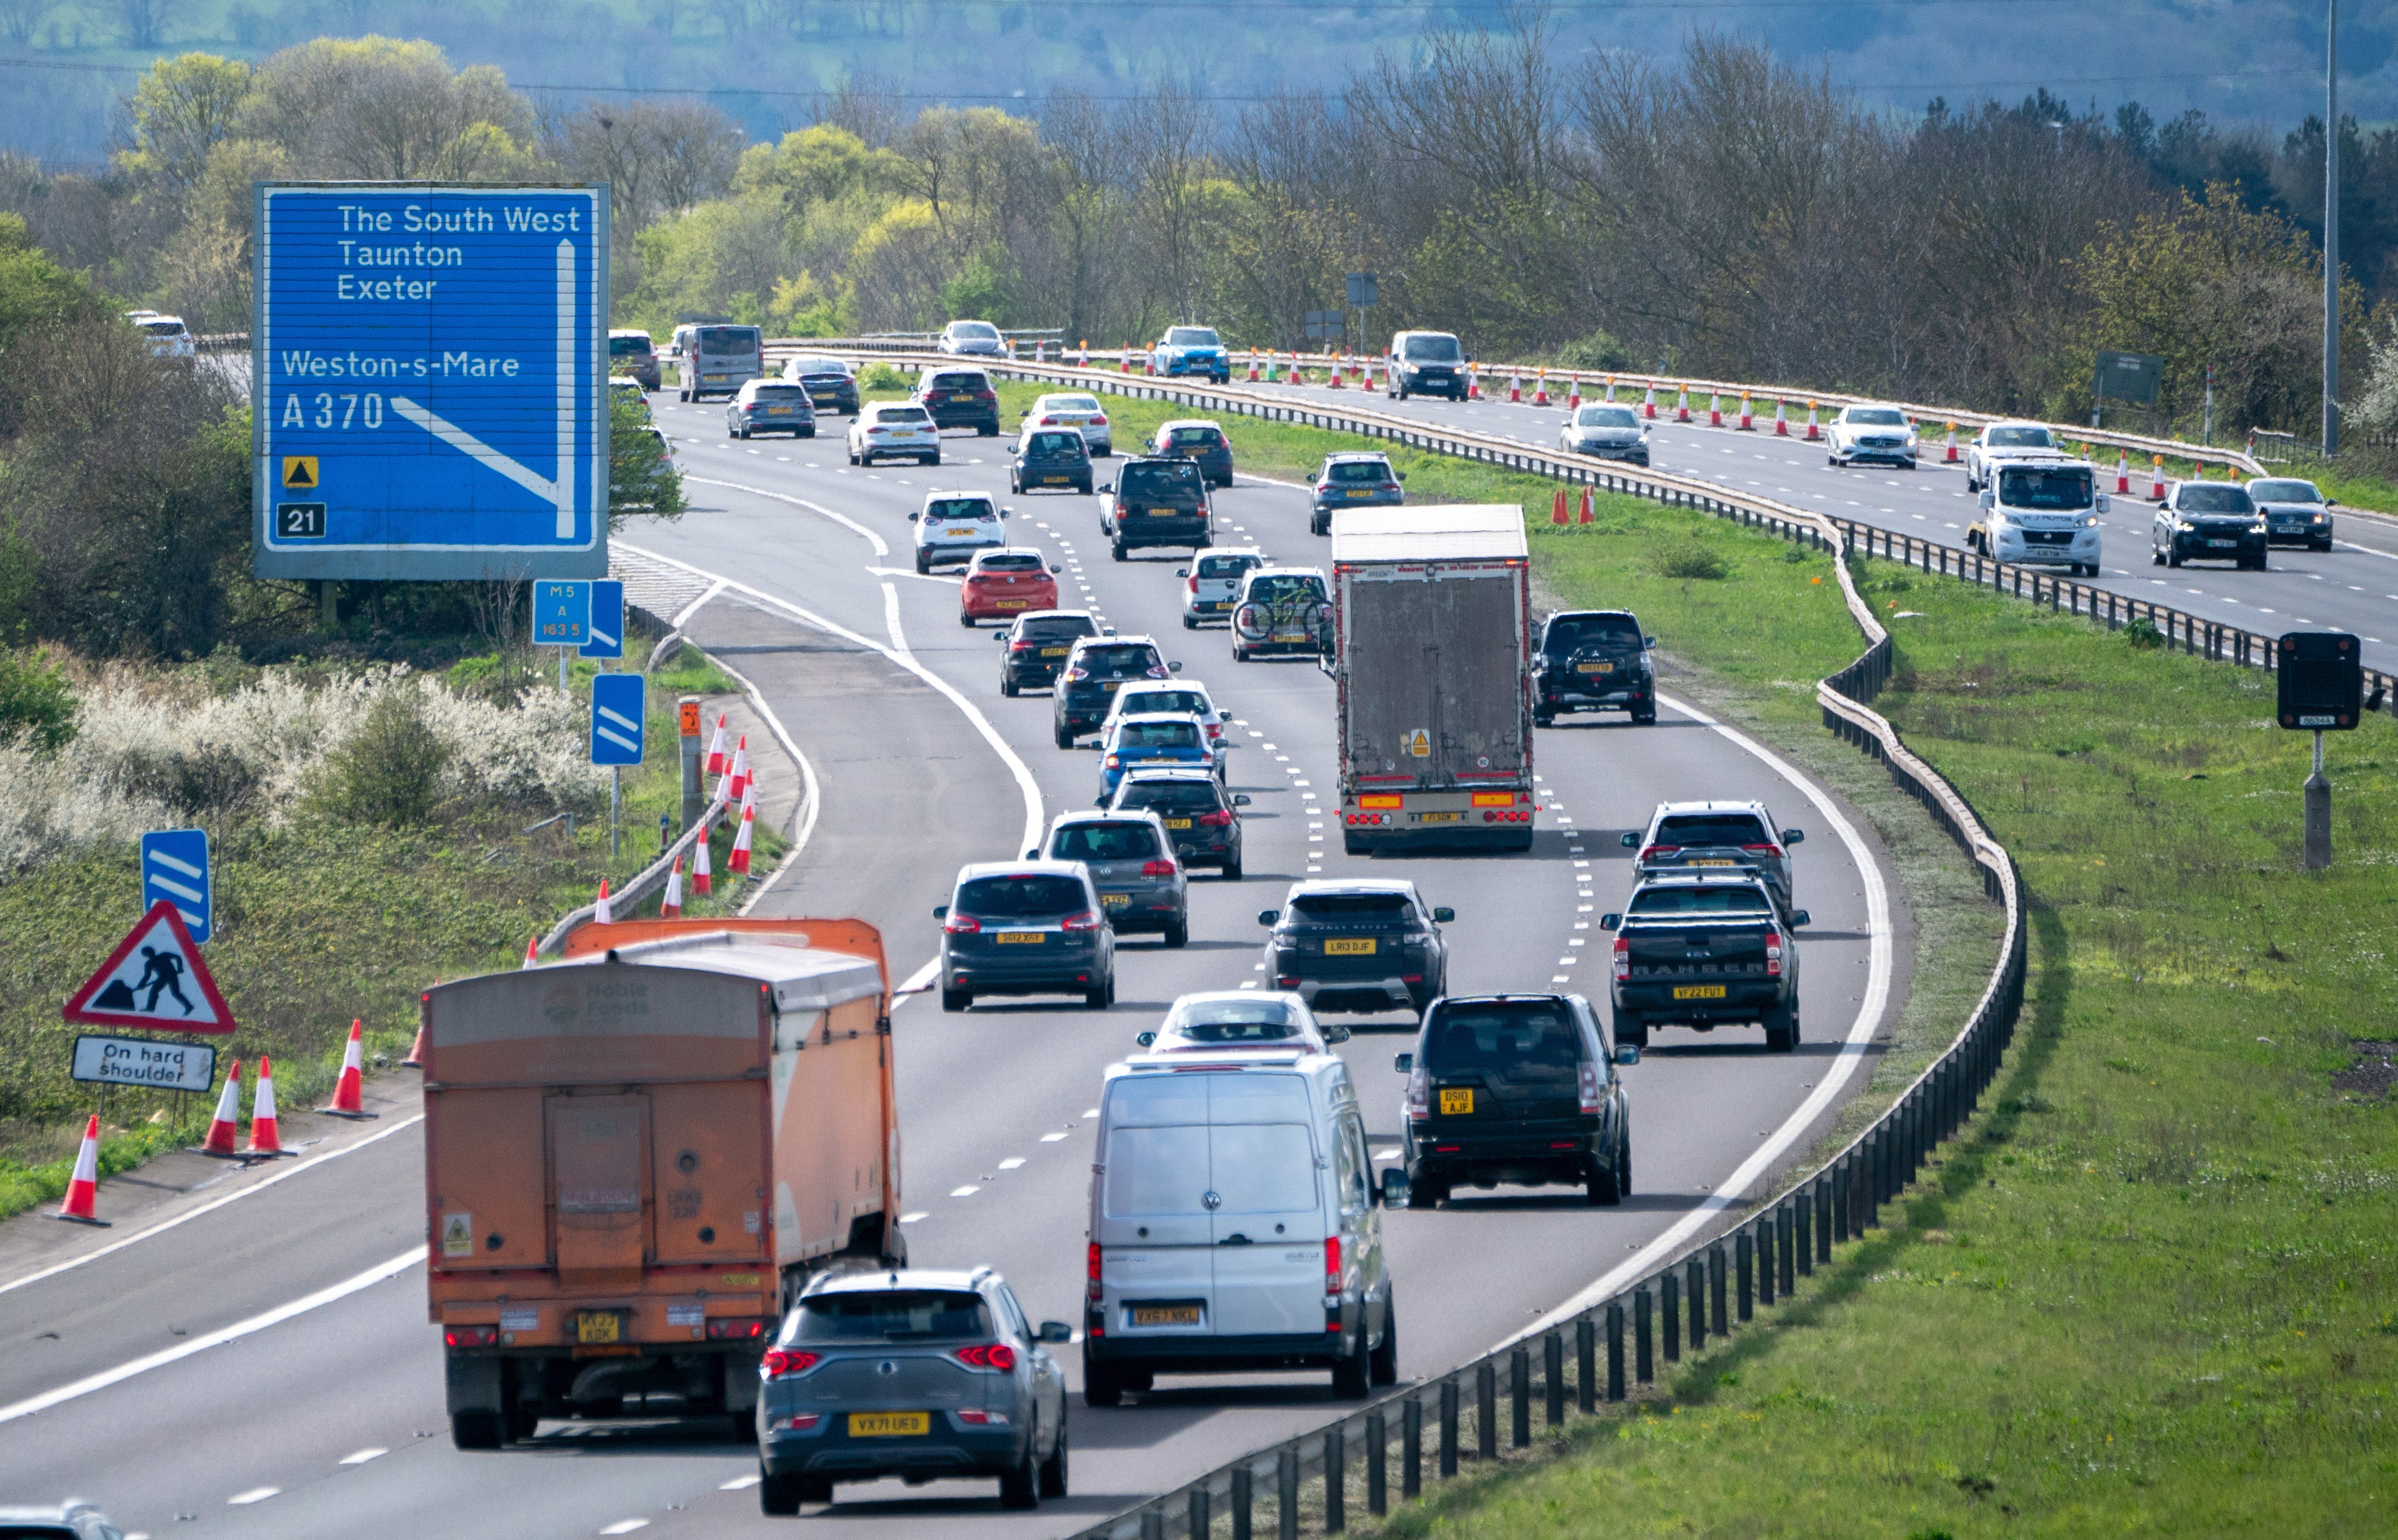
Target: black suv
[1359,945]
[1089,676]
[1197,815]
[1037,643]
[1594,660]
[1518,1088]
[1699,950]
[959,397]
[1157,501]
[1055,458]
[830,385]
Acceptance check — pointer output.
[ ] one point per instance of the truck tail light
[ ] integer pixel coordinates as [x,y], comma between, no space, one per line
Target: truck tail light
[962,924]
[1087,920]
[736,1329]
[1159,869]
[1590,1090]
[1773,957]
[1623,959]
[1095,1273]
[781,1363]
[992,1355]
[469,1336]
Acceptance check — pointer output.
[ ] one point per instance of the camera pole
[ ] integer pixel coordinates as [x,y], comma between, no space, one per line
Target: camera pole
[2318,838]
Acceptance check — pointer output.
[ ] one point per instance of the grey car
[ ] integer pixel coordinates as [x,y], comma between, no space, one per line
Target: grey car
[2296,513]
[770,406]
[910,1373]
[1736,836]
[73,1520]
[1351,482]
[1131,859]
[1606,431]
[1025,928]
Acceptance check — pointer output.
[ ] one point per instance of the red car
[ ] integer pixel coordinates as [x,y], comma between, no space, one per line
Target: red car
[1001,584]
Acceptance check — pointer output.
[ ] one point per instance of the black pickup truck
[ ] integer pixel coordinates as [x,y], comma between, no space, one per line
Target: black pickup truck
[1702,949]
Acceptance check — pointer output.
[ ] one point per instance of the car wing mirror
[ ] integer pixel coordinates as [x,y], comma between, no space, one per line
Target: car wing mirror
[1631,840]
[1107,630]
[1174,667]
[1794,836]
[911,518]
[1647,642]
[1394,1187]
[1182,572]
[1336,1034]
[1240,799]
[1107,486]
[1000,637]
[1611,922]
[1055,569]
[1443,915]
[1403,1063]
[1268,916]
[941,911]
[1054,1333]
[1627,1054]
[1800,917]
[1400,475]
[1033,854]
[1145,1038]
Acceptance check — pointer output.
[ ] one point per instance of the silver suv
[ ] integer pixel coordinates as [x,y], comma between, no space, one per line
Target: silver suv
[1706,835]
[910,1373]
[1131,859]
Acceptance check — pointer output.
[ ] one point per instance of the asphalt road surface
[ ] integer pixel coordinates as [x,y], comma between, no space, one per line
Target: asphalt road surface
[330,1420]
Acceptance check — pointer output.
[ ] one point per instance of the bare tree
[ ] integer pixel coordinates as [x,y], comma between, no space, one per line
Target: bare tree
[19,19]
[1166,134]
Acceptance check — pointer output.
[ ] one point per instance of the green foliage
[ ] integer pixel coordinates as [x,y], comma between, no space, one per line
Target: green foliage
[1599,351]
[182,109]
[689,673]
[988,289]
[1689,558]
[2143,636]
[642,480]
[389,771]
[37,708]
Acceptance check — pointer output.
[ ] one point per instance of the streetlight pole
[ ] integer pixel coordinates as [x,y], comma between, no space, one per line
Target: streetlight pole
[2331,233]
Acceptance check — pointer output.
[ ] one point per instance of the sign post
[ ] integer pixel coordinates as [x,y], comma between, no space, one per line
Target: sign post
[618,711]
[175,870]
[429,368]
[1364,291]
[687,724]
[2321,676]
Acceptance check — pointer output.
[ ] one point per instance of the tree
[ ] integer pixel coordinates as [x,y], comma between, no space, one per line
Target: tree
[379,109]
[181,108]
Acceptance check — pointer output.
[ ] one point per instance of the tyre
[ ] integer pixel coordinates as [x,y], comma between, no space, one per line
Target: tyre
[778,1497]
[1007,687]
[815,1489]
[1179,933]
[1781,1032]
[1101,997]
[924,563]
[1190,623]
[1427,1193]
[1832,461]
[1084,486]
[1232,870]
[1601,1189]
[1623,1167]
[1053,1470]
[991,432]
[1971,485]
[2156,556]
[1353,1376]
[956,999]
[1382,1366]
[476,1429]
[1102,1386]
[1020,1488]
[932,459]
[967,620]
[2319,544]
[809,434]
[1118,549]
[1644,719]
[1544,719]
[1064,739]
[2173,557]
[1352,845]
[1633,1031]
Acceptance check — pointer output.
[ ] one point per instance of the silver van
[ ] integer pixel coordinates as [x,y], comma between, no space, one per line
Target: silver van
[1235,1225]
[717,359]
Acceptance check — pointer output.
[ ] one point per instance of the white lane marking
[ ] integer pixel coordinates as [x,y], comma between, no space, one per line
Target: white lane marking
[692,608]
[222,1334]
[213,1205]
[919,980]
[891,620]
[1091,1112]
[1852,1048]
[921,577]
[910,1218]
[255,1495]
[965,1192]
[625,1526]
[362,1457]
[1031,788]
[1051,1138]
[880,548]
[1011,1163]
[742,1483]
[811,792]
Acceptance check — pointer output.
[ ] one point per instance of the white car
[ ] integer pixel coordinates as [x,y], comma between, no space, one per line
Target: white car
[2001,442]
[1083,413]
[952,526]
[1218,1020]
[894,430]
[1185,697]
[971,339]
[1871,433]
[1213,582]
[1607,430]
[1282,610]
[169,337]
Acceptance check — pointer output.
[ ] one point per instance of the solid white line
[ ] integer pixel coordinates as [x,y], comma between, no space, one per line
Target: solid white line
[239,1330]
[1852,1048]
[285,1174]
[891,620]
[1030,788]
[921,979]
[695,606]
[881,548]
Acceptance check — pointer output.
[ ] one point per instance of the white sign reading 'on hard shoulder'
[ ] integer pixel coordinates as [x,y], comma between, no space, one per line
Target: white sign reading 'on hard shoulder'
[139,1061]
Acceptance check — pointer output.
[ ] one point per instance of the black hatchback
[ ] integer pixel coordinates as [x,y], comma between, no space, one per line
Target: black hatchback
[1197,439]
[1198,817]
[1037,645]
[1157,501]
[960,398]
[1090,677]
[1593,660]
[1518,1088]
[1050,460]
[830,383]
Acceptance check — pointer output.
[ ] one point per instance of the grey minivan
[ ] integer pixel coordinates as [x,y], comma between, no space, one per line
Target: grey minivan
[1025,928]
[1131,861]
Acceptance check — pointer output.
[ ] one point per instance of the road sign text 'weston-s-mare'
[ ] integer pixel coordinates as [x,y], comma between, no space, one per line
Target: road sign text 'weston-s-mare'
[429,377]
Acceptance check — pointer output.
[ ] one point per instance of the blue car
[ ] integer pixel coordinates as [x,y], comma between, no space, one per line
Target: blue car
[1149,740]
[1193,350]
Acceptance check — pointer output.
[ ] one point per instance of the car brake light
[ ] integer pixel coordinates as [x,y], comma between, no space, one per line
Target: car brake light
[1420,1093]
[1099,421]
[979,1418]
[1087,920]
[1772,958]
[1623,959]
[1762,849]
[1095,1272]
[962,924]
[1590,1090]
[469,1336]
[1112,762]
[1159,869]
[1157,671]
[736,1327]
[986,396]
[1023,644]
[1192,584]
[1220,818]
[998,1355]
[783,1362]
[1078,671]
[1657,852]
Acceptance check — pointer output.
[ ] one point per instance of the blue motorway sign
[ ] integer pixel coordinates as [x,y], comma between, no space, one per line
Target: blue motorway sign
[617,712]
[175,867]
[606,630]
[429,378]
[561,613]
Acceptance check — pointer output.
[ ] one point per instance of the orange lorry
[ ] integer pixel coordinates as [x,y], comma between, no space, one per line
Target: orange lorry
[635,1157]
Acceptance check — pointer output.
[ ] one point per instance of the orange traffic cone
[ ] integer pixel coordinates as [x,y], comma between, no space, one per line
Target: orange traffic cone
[1585,505]
[83,1186]
[1714,409]
[700,879]
[739,864]
[740,766]
[1557,507]
[532,950]
[1951,457]
[349,1091]
[2122,473]
[600,912]
[264,1139]
[670,907]
[1573,392]
[226,1128]
[716,748]
[2157,481]
[1541,389]
[1747,418]
[415,1060]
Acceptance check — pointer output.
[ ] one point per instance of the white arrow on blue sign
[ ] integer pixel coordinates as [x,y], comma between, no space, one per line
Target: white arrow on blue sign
[617,711]
[605,629]
[175,868]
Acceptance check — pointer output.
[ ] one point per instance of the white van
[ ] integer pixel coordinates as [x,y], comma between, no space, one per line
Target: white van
[1235,1225]
[1424,363]
[717,359]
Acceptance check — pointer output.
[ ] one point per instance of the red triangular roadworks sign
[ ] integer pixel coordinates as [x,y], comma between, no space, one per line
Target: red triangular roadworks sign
[154,981]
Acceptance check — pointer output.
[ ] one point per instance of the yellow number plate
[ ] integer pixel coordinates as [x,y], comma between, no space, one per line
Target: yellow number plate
[1164,513]
[1177,823]
[889,1425]
[1007,604]
[597,1325]
[1357,946]
[1457,1103]
[1595,668]
[1055,652]
[1116,900]
[1698,991]
[1019,938]
[1361,495]
[1439,817]
[1165,1315]
[1110,683]
[1056,480]
[1710,861]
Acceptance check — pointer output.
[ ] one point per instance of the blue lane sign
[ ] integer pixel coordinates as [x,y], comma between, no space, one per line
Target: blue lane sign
[617,712]
[607,622]
[175,868]
[561,613]
[429,373]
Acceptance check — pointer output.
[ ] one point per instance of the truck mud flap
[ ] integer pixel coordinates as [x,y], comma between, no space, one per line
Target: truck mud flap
[473,1383]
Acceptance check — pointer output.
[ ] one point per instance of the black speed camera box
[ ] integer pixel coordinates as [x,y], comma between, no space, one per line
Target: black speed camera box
[2323,680]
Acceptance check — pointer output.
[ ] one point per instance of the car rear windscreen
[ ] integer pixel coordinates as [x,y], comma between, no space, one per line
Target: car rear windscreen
[1432,349]
[1104,842]
[1197,437]
[1155,480]
[891,1314]
[1058,627]
[2214,497]
[1729,898]
[1056,443]
[619,347]
[1568,632]
[1169,796]
[1232,1022]
[1365,908]
[1712,828]
[1158,735]
[779,393]
[1221,567]
[1269,589]
[1071,404]
[1521,1041]
[1164,700]
[1119,660]
[902,414]
[1369,472]
[2041,488]
[730,339]
[957,507]
[2021,438]
[957,381]
[1011,562]
[1031,896]
[818,368]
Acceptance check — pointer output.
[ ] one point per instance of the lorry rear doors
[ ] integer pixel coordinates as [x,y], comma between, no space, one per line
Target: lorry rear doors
[598,1150]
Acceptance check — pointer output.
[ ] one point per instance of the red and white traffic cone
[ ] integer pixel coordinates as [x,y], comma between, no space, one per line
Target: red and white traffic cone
[739,864]
[263,1139]
[1812,432]
[1472,384]
[83,1186]
[670,907]
[1714,409]
[1334,383]
[1649,406]
[1781,420]
[603,912]
[1682,405]
[699,878]
[349,1091]
[1747,417]
[532,954]
[2156,486]
[1541,389]
[1558,508]
[1253,365]
[740,766]
[1586,507]
[1573,392]
[1951,457]
[2122,473]
[1516,386]
[716,748]
[1124,361]
[225,1127]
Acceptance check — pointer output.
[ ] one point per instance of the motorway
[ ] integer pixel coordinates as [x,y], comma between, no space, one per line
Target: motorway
[795,571]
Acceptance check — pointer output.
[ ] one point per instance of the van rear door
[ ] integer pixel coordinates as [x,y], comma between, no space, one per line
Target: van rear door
[1153,1225]
[1266,1174]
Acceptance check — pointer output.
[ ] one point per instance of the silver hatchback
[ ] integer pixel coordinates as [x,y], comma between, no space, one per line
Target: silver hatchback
[911,1372]
[1131,858]
[1737,836]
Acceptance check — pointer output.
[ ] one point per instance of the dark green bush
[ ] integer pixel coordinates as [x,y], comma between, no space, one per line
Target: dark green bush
[389,772]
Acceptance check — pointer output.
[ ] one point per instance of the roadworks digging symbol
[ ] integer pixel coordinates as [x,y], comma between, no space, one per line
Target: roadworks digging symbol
[457,1234]
[154,980]
[1419,744]
[299,472]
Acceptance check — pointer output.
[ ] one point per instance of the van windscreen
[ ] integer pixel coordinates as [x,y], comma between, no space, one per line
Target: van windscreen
[1432,348]
[1525,1042]
[2045,490]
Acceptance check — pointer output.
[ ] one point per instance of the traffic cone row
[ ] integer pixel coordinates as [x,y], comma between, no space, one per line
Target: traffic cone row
[264,1140]
[349,1091]
[740,766]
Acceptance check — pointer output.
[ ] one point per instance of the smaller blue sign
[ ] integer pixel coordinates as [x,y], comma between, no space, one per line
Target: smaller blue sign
[561,611]
[175,868]
[618,710]
[606,623]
